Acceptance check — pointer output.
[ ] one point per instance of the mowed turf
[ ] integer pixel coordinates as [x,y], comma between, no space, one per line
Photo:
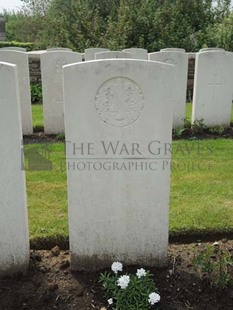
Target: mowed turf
[201,189]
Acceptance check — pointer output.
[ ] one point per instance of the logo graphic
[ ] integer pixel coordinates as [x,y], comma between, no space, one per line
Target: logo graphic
[119,102]
[37,158]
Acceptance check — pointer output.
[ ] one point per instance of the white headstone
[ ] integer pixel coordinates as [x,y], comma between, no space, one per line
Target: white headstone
[118,198]
[21,60]
[14,239]
[90,52]
[113,54]
[230,61]
[36,54]
[139,53]
[15,48]
[52,49]
[51,72]
[212,99]
[172,49]
[211,49]
[180,60]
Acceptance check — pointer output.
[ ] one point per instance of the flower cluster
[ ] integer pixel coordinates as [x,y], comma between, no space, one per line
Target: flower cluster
[123,282]
[129,291]
[116,266]
[154,298]
[141,273]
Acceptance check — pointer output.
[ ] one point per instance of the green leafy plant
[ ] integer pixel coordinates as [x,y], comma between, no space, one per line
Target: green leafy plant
[132,291]
[187,123]
[217,129]
[178,132]
[36,93]
[198,126]
[214,264]
[60,136]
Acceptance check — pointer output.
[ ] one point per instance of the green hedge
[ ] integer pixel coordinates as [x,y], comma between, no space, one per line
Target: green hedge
[29,46]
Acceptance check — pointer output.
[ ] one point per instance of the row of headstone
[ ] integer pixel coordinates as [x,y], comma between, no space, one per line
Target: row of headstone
[118,200]
[51,68]
[118,207]
[118,168]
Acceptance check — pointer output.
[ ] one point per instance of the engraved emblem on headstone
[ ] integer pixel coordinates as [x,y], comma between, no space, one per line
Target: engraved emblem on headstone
[170,61]
[59,64]
[119,101]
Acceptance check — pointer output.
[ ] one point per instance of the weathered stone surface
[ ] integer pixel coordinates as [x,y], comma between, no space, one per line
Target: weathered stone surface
[118,128]
[139,53]
[21,60]
[90,52]
[179,59]
[51,69]
[113,54]
[212,100]
[14,239]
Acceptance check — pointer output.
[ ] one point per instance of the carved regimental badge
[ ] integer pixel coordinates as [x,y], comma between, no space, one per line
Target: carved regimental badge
[119,102]
[59,64]
[170,61]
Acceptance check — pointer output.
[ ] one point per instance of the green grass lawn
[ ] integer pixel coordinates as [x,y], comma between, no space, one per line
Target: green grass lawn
[201,190]
[37,114]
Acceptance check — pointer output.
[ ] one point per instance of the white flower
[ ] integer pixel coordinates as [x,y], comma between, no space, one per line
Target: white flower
[141,273]
[123,281]
[116,266]
[110,301]
[154,298]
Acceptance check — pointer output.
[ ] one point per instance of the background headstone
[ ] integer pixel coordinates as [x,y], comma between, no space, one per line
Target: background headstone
[59,49]
[118,208]
[14,239]
[212,100]
[211,49]
[230,56]
[172,49]
[51,71]
[90,52]
[21,60]
[15,48]
[113,54]
[139,53]
[180,60]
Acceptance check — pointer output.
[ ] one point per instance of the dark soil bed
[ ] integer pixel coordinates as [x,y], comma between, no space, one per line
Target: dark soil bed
[41,137]
[49,284]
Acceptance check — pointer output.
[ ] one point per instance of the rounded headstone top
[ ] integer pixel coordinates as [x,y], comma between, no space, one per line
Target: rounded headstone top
[172,49]
[211,49]
[15,48]
[54,49]
[36,54]
[113,54]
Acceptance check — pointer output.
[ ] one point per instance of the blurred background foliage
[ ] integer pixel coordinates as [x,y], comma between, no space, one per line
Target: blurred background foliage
[118,24]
